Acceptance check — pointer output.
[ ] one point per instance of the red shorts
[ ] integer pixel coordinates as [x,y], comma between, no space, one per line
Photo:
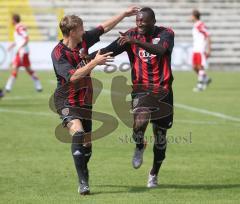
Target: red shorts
[21,61]
[198,59]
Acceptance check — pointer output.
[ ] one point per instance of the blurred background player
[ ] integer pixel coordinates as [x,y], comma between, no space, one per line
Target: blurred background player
[201,51]
[21,58]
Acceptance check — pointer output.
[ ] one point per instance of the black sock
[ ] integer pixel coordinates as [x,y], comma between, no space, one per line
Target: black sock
[159,155]
[155,168]
[159,149]
[88,153]
[79,159]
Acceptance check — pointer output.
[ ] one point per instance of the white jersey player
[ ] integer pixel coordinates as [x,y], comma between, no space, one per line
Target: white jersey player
[201,51]
[21,58]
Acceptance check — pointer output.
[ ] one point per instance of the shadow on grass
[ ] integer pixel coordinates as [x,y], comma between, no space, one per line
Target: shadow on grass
[139,189]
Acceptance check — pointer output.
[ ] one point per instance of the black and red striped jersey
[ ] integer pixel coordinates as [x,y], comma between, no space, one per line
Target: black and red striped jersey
[150,70]
[66,62]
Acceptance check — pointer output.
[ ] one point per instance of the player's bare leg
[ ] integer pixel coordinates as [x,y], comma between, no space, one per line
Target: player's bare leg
[11,80]
[141,120]
[81,151]
[36,81]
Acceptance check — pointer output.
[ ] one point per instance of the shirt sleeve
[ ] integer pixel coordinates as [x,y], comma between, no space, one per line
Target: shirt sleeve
[167,39]
[203,29]
[93,36]
[62,67]
[21,30]
[113,47]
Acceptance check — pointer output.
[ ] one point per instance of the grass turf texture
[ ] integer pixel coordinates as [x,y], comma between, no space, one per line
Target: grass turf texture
[36,168]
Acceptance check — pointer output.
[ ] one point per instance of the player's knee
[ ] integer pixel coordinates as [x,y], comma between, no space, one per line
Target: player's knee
[74,126]
[158,131]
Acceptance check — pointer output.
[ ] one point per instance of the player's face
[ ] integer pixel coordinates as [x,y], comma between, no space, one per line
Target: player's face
[193,18]
[145,23]
[77,33]
[13,22]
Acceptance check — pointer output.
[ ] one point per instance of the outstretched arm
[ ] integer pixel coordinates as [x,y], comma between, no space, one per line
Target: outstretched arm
[163,45]
[99,59]
[114,48]
[112,22]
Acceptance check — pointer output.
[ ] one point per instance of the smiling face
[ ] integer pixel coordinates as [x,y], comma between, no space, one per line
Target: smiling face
[145,23]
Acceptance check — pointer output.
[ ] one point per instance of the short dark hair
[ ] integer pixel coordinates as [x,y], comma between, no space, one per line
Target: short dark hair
[196,14]
[16,17]
[68,23]
[149,11]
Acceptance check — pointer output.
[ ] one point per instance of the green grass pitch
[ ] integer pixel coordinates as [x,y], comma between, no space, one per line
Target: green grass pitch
[203,155]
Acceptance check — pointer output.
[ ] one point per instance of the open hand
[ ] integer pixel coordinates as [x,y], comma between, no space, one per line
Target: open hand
[125,39]
[131,11]
[104,58]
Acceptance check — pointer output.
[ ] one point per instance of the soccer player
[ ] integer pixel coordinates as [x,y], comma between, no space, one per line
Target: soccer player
[73,96]
[149,48]
[21,58]
[201,51]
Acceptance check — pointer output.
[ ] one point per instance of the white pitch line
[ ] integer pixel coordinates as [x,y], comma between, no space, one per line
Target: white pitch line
[45,114]
[197,122]
[28,97]
[27,112]
[178,105]
[207,112]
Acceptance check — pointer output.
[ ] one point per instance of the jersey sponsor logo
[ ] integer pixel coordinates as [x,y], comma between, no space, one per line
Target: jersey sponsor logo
[145,56]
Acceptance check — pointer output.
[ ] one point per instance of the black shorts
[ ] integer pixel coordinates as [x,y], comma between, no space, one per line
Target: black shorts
[75,113]
[68,113]
[159,105]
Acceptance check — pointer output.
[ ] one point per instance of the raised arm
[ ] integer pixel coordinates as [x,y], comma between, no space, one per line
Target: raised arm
[112,22]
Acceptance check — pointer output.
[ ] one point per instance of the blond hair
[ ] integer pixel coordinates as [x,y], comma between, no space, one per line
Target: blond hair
[68,23]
